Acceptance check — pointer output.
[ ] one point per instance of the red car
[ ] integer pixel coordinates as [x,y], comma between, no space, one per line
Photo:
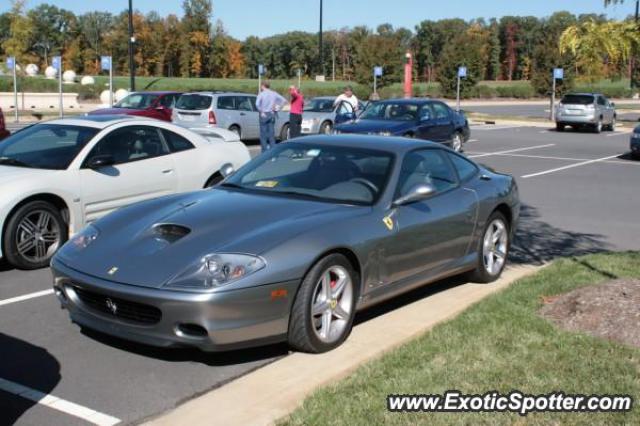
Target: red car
[3,129]
[157,105]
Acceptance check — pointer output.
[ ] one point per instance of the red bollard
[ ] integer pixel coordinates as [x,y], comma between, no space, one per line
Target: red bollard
[408,75]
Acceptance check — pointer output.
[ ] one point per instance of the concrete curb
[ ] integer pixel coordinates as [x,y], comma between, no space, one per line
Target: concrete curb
[272,392]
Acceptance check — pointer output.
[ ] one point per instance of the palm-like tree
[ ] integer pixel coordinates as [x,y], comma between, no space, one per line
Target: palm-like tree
[593,43]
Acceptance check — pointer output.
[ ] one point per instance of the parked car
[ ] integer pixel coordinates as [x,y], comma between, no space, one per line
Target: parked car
[414,118]
[58,176]
[236,112]
[3,128]
[366,218]
[586,110]
[320,115]
[634,144]
[158,105]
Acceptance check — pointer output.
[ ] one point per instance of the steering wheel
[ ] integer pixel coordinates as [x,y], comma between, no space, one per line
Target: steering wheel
[364,182]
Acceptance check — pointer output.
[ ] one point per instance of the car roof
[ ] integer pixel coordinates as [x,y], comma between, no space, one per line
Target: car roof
[394,145]
[214,93]
[96,121]
[158,92]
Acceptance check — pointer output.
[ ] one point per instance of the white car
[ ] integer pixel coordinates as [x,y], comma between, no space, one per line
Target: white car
[57,176]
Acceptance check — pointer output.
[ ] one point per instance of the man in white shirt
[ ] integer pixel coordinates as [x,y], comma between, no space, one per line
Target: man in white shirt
[349,97]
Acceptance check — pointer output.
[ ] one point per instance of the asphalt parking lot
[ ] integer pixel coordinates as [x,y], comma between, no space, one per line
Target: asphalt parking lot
[535,111]
[578,192]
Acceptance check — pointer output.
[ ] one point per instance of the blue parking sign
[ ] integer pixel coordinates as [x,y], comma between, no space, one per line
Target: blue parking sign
[105,63]
[558,73]
[11,62]
[377,71]
[56,62]
[462,72]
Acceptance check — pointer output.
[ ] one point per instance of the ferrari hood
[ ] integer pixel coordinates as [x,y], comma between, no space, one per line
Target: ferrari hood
[151,243]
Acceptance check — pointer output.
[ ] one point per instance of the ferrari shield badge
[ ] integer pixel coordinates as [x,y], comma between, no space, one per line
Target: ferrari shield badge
[388,221]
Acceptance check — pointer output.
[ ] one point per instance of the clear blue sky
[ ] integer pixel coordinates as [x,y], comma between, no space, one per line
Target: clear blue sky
[262,18]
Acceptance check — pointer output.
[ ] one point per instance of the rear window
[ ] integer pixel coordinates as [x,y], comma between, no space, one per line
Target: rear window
[194,102]
[226,102]
[577,99]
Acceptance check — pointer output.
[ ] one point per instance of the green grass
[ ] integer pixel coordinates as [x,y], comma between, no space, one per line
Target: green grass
[498,344]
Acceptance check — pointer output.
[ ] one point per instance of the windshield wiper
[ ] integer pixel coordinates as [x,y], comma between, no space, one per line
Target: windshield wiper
[231,185]
[13,162]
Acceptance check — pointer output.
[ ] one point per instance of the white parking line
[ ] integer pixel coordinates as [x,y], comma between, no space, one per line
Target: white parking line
[59,404]
[512,150]
[570,166]
[26,297]
[622,133]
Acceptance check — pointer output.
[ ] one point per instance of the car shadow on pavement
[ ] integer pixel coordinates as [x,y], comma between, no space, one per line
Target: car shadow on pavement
[211,359]
[4,266]
[538,242]
[27,365]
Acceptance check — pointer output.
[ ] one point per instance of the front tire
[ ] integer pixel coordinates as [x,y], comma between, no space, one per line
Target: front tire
[456,142]
[597,128]
[326,128]
[559,127]
[323,311]
[33,235]
[284,133]
[493,249]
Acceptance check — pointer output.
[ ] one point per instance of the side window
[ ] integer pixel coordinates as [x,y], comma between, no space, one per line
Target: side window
[426,113]
[601,101]
[131,144]
[176,142]
[168,101]
[226,102]
[426,166]
[440,110]
[465,168]
[244,103]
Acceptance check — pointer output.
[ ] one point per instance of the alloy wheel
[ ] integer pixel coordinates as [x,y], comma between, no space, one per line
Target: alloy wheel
[494,247]
[38,236]
[332,304]
[456,143]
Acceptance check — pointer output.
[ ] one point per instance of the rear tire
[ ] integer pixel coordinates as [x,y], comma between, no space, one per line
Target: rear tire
[235,129]
[597,128]
[493,250]
[456,142]
[612,126]
[33,235]
[559,127]
[324,308]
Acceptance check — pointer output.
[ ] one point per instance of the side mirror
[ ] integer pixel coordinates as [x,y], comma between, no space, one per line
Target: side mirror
[161,108]
[100,161]
[418,192]
[613,104]
[226,170]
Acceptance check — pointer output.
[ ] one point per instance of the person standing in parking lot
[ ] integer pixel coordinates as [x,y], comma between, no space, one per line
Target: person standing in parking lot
[268,104]
[347,96]
[295,114]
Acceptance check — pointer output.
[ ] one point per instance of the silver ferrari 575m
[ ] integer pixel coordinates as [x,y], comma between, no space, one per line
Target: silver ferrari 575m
[290,246]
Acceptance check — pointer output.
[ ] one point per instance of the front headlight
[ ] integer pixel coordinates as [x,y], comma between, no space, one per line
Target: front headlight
[385,133]
[82,239]
[216,270]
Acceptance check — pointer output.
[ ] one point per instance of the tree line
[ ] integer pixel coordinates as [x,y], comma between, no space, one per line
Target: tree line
[194,45]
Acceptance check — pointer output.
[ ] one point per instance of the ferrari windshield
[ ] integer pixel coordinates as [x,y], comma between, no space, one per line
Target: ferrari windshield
[326,173]
[319,105]
[137,101]
[45,146]
[396,111]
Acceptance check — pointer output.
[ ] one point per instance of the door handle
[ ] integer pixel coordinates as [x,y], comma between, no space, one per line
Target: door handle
[167,171]
[242,113]
[485,177]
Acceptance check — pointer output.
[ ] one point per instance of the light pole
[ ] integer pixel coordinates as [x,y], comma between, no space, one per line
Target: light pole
[132,66]
[320,42]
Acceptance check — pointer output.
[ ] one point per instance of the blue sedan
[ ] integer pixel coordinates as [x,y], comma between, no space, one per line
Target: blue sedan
[415,118]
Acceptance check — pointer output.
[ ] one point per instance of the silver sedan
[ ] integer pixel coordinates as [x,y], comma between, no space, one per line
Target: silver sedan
[289,247]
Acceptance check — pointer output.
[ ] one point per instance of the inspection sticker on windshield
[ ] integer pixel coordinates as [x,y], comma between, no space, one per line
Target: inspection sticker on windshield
[267,184]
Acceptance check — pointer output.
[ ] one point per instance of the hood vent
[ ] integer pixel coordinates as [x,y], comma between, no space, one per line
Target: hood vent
[170,232]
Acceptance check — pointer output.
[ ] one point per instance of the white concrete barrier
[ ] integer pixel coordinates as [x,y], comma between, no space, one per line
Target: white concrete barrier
[38,101]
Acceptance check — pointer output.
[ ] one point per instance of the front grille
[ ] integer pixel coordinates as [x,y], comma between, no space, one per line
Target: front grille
[126,310]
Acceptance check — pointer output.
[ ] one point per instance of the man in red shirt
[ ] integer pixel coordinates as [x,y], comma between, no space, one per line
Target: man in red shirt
[295,115]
